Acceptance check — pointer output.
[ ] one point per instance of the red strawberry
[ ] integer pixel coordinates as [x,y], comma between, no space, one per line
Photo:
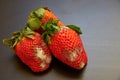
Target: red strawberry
[66,44]
[31,49]
[39,17]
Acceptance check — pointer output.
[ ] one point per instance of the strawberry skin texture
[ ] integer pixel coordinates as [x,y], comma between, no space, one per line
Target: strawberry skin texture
[66,45]
[34,53]
[48,15]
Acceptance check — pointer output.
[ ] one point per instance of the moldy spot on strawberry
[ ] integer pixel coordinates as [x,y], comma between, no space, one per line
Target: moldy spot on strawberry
[44,58]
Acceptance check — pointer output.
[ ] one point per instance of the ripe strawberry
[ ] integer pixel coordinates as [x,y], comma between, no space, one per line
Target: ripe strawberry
[40,17]
[66,44]
[31,49]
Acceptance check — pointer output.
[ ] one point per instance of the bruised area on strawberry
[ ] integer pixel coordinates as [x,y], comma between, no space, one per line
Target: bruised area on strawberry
[39,17]
[31,49]
[65,44]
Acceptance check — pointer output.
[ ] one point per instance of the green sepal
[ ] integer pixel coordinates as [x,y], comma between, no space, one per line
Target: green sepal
[75,28]
[34,23]
[15,42]
[46,38]
[34,18]
[30,36]
[39,12]
[18,36]
[8,42]
[46,8]
[50,28]
[27,32]
[51,25]
[32,15]
[16,33]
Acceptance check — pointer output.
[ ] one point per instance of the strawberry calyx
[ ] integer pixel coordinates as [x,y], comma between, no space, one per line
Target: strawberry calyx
[34,18]
[50,28]
[18,36]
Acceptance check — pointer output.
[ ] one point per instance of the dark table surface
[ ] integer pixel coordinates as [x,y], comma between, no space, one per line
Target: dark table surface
[99,21]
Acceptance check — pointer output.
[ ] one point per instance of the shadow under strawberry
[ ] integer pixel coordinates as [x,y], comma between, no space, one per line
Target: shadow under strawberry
[66,71]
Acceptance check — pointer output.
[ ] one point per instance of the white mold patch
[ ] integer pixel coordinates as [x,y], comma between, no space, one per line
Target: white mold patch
[72,55]
[42,65]
[43,57]
[40,53]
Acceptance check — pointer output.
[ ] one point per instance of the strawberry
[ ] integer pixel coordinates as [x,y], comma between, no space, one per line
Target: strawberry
[31,49]
[39,17]
[65,44]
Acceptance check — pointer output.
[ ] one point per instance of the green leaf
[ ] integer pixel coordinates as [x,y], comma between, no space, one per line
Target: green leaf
[55,28]
[15,33]
[30,36]
[75,28]
[48,39]
[51,25]
[10,42]
[28,31]
[44,35]
[34,23]
[32,15]
[52,21]
[15,43]
[7,42]
[46,8]
[39,12]
[55,22]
